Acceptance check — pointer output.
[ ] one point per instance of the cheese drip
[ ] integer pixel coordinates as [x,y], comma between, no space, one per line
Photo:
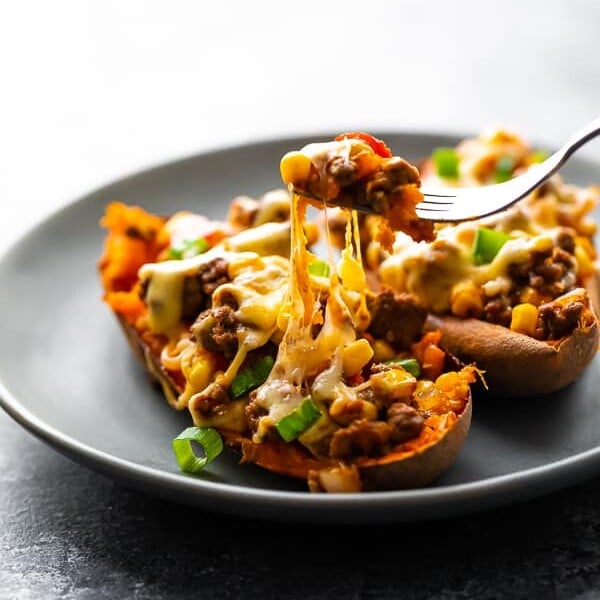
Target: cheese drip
[307,364]
[259,286]
[430,271]
[165,287]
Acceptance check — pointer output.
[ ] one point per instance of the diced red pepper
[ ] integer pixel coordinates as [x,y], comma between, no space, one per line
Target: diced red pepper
[378,146]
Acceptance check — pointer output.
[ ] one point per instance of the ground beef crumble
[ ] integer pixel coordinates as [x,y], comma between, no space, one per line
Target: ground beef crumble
[199,287]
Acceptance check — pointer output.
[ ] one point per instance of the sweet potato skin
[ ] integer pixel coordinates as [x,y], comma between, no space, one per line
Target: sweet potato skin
[398,470]
[516,365]
[394,471]
[421,468]
[149,360]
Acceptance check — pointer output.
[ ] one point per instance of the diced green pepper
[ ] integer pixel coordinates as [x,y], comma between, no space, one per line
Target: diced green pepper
[487,244]
[446,162]
[504,169]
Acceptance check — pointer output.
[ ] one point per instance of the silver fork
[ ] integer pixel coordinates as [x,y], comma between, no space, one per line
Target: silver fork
[468,203]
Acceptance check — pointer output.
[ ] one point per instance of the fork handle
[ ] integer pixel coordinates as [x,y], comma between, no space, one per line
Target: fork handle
[581,137]
[555,161]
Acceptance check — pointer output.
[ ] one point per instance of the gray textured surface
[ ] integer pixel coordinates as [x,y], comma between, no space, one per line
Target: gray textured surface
[68,533]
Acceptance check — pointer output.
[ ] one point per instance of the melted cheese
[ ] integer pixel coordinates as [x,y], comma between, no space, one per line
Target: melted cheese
[165,279]
[276,299]
[266,239]
[308,364]
[430,271]
[259,286]
[165,285]
[320,153]
[164,298]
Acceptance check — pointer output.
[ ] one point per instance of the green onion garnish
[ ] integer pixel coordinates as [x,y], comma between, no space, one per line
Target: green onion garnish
[446,162]
[188,248]
[251,377]
[319,268]
[504,169]
[299,420]
[207,438]
[408,364]
[487,244]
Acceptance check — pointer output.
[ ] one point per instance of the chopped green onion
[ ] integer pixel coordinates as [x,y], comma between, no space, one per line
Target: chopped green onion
[504,169]
[487,244]
[207,438]
[408,364]
[188,248]
[251,377]
[446,162]
[319,268]
[299,420]
[538,156]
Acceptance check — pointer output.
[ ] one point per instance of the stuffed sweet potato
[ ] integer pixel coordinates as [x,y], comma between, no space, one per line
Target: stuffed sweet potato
[515,292]
[293,361]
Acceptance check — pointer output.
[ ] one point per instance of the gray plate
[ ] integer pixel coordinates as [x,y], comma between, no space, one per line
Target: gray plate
[66,373]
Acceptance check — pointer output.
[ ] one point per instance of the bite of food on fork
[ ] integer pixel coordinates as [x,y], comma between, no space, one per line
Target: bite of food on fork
[359,171]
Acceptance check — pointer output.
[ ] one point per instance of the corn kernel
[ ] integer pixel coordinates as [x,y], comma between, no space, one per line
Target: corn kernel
[465,235]
[465,300]
[351,272]
[530,295]
[587,226]
[201,371]
[585,266]
[542,243]
[344,410]
[382,351]
[393,384]
[294,167]
[356,355]
[586,243]
[524,318]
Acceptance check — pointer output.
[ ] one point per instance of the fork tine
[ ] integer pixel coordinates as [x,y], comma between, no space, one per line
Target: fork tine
[438,215]
[439,192]
[476,202]
[438,200]
[469,203]
[436,204]
[430,207]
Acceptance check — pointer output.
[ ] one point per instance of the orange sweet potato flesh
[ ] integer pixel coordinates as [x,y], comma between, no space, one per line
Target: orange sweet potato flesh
[130,243]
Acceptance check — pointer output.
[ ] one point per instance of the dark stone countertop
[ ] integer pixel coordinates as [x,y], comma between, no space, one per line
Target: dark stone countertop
[69,533]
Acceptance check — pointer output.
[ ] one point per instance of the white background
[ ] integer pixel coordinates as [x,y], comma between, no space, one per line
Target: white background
[91,91]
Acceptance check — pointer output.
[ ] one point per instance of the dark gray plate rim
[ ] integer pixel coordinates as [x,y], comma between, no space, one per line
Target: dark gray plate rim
[301,506]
